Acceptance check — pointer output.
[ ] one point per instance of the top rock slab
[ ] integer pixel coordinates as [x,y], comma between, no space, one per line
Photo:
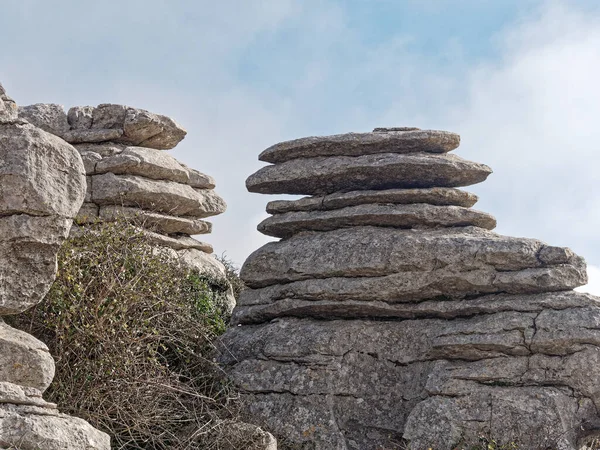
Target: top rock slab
[107,122]
[382,140]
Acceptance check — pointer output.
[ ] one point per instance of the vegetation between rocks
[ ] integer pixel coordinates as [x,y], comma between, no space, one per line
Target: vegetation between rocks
[132,334]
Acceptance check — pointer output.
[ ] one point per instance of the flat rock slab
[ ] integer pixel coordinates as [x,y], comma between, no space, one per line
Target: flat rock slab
[357,144]
[177,242]
[396,216]
[160,223]
[431,196]
[361,252]
[326,175]
[153,164]
[159,196]
[40,174]
[24,360]
[250,310]
[20,395]
[31,428]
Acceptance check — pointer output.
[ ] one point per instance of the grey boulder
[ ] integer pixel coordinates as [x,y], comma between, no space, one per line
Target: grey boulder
[33,428]
[326,175]
[139,127]
[382,215]
[40,174]
[377,252]
[158,196]
[153,164]
[28,248]
[24,360]
[47,116]
[337,200]
[357,144]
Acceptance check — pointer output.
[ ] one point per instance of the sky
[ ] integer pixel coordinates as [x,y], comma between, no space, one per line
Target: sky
[517,79]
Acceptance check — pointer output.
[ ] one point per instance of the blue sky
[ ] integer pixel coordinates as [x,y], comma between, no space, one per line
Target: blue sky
[518,79]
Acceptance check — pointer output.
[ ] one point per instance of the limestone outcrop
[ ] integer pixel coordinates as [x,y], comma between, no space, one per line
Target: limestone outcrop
[129,174]
[42,186]
[390,313]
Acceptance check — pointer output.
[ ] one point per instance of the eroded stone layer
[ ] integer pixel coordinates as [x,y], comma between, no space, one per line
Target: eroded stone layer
[365,384]
[359,253]
[32,428]
[358,144]
[431,196]
[382,215]
[326,175]
[158,196]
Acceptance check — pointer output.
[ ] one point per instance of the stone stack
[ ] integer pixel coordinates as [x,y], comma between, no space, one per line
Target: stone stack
[42,186]
[391,314]
[129,174]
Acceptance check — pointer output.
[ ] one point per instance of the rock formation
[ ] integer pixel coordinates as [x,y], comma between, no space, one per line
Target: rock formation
[129,174]
[390,312]
[42,186]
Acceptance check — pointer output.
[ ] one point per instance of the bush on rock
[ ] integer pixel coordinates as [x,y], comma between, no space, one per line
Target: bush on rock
[131,332]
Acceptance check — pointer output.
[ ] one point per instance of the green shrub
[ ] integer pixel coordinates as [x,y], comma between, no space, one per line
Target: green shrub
[131,332]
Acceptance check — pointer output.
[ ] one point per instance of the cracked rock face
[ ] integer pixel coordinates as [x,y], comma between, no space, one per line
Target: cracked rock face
[390,314]
[42,186]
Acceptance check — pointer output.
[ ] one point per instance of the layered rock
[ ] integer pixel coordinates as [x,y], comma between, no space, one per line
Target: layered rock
[42,186]
[130,175]
[391,314]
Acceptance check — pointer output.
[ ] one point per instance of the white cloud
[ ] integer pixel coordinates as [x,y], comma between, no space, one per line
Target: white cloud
[593,286]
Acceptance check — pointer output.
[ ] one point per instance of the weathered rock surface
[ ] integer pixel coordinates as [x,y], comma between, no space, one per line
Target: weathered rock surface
[20,395]
[431,196]
[178,242]
[154,221]
[48,117]
[106,122]
[28,248]
[323,175]
[358,144]
[369,378]
[397,216]
[32,428]
[8,108]
[153,164]
[376,252]
[159,196]
[24,360]
[389,316]
[138,127]
[86,136]
[40,174]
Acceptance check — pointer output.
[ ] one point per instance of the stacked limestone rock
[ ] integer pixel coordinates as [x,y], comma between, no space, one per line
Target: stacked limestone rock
[129,174]
[389,312]
[42,186]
